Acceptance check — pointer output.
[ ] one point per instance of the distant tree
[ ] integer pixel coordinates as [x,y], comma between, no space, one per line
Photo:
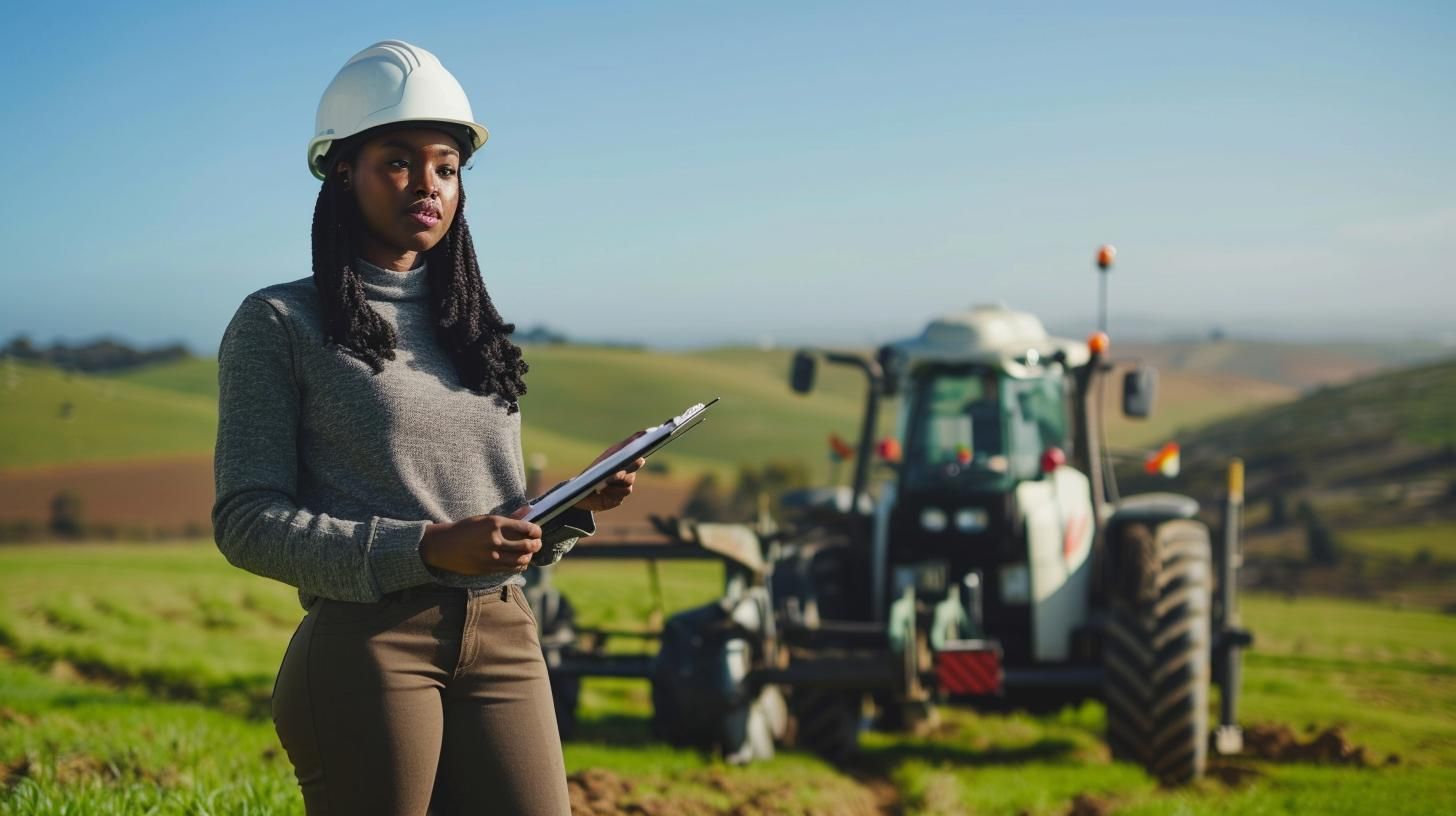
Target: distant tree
[19,347]
[1321,545]
[706,502]
[766,484]
[540,335]
[97,355]
[1278,510]
[66,514]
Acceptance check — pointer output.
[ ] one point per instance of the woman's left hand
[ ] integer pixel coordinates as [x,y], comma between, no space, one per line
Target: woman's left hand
[614,491]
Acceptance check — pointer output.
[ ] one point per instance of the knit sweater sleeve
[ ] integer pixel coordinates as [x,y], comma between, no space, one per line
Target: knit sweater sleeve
[258,522]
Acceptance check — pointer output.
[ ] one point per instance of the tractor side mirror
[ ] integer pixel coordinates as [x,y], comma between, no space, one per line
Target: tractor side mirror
[889,370]
[1139,388]
[801,374]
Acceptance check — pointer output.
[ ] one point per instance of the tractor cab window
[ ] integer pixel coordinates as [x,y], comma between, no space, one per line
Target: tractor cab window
[975,425]
[1036,420]
[957,429]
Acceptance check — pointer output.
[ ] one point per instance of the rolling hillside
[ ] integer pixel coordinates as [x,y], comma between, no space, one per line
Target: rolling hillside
[582,398]
[137,447]
[1287,364]
[51,417]
[1396,423]
[1351,489]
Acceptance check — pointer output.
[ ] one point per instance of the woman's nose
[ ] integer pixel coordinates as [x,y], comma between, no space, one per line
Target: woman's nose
[425,183]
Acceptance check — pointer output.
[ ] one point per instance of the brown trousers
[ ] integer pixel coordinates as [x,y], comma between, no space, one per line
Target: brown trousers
[426,702]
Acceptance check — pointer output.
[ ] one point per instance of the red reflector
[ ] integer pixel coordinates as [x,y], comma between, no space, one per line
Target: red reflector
[969,667]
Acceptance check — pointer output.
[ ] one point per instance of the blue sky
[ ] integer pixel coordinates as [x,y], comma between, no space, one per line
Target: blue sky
[692,173]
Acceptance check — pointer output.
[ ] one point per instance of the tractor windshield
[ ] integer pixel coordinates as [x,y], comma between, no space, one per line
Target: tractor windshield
[975,425]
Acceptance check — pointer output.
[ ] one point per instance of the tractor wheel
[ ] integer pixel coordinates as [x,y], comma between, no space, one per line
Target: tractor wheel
[688,699]
[1157,649]
[826,721]
[557,626]
[565,697]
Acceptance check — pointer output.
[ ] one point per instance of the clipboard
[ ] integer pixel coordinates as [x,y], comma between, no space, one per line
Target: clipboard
[558,499]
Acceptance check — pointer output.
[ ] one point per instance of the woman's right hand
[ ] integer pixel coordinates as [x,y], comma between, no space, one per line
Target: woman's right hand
[479,545]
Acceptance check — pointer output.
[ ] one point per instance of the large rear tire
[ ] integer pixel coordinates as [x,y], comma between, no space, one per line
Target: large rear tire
[1157,648]
[826,721]
[821,578]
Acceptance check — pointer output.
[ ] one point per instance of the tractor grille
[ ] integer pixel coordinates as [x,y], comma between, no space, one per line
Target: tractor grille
[1001,542]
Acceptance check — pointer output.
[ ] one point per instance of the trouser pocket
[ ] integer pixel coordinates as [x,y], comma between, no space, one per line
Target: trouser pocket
[518,595]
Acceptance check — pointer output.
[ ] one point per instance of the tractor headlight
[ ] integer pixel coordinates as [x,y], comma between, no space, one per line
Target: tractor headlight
[1015,584]
[932,519]
[971,519]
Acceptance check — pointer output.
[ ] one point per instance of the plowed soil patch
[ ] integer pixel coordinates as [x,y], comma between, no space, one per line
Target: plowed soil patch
[599,792]
[168,493]
[1330,746]
[175,494]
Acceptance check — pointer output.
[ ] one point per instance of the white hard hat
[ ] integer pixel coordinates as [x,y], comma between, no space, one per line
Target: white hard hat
[389,82]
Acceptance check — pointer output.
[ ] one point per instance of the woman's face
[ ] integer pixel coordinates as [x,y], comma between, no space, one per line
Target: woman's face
[407,183]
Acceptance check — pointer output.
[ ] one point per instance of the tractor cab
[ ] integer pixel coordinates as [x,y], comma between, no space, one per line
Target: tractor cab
[987,399]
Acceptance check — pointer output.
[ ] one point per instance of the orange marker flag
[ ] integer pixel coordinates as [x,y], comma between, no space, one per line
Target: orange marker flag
[840,449]
[1165,461]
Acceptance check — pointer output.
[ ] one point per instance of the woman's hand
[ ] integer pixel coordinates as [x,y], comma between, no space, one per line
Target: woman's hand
[479,545]
[615,490]
[619,486]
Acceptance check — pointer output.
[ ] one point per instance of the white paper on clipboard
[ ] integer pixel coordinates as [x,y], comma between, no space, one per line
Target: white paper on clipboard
[555,501]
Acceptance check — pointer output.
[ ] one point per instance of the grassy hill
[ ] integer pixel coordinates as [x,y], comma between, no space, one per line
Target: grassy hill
[1343,434]
[50,417]
[1301,366]
[1351,488]
[582,398]
[195,375]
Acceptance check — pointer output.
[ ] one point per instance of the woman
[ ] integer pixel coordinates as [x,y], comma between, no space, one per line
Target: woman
[368,453]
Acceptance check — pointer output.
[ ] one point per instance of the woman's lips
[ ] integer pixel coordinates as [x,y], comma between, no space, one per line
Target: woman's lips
[425,212]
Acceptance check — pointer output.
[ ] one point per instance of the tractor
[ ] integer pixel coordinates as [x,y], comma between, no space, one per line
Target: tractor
[994,566]
[992,563]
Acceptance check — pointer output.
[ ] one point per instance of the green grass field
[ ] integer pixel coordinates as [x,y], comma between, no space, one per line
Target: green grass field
[107,419]
[134,679]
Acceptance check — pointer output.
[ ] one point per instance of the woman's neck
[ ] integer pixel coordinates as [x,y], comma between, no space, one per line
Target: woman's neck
[388,257]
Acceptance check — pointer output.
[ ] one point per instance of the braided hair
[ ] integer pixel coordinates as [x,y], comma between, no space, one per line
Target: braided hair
[470,329]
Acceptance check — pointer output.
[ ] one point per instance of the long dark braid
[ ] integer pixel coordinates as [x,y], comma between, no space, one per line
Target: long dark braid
[466,321]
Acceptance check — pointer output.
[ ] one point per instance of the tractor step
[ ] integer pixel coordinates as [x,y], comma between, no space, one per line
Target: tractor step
[838,668]
[845,633]
[606,665]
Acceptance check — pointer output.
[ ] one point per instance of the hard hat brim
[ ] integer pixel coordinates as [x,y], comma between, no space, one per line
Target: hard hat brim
[322,153]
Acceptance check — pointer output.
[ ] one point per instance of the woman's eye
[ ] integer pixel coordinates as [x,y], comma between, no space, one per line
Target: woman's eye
[400,163]
[447,171]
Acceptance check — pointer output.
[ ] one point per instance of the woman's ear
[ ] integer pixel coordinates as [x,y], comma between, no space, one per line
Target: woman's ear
[343,171]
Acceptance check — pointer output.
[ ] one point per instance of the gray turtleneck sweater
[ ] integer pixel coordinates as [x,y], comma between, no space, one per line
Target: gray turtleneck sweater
[327,473]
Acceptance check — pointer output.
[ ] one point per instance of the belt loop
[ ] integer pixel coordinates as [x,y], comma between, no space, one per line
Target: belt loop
[505,592]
